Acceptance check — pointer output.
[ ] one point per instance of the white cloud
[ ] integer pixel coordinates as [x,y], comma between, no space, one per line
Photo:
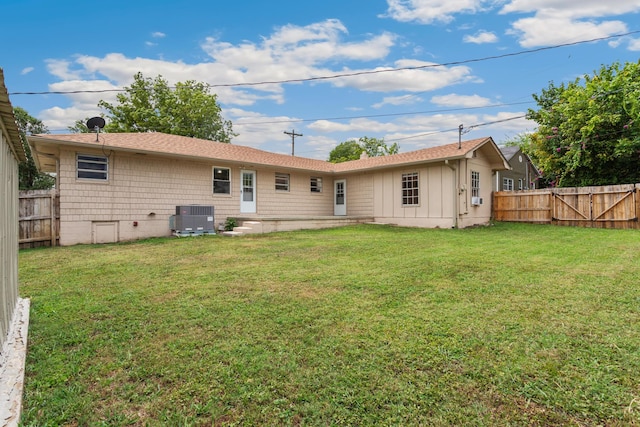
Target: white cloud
[290,53]
[363,125]
[455,100]
[82,104]
[561,21]
[26,70]
[59,119]
[481,37]
[424,76]
[634,45]
[542,30]
[430,11]
[158,35]
[398,100]
[574,9]
[62,69]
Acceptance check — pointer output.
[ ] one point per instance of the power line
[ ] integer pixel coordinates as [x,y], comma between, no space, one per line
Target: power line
[508,119]
[359,73]
[448,110]
[435,132]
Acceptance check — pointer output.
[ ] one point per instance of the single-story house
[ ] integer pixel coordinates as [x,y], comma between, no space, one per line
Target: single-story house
[123,186]
[523,174]
[14,311]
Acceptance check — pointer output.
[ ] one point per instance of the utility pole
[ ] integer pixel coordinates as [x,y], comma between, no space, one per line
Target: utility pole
[460,136]
[293,139]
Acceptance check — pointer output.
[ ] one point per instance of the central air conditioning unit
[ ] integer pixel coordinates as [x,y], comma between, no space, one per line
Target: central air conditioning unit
[192,220]
[476,201]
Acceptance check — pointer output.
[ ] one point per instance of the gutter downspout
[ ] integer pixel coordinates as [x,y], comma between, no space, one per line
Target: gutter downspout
[456,197]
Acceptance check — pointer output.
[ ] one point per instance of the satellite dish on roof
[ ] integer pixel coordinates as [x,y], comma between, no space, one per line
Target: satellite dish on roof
[95,122]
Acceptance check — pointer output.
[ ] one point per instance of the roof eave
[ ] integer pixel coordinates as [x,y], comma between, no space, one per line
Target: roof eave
[9,122]
[398,165]
[34,140]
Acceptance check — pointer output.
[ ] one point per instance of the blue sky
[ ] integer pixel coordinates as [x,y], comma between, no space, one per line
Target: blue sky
[76,46]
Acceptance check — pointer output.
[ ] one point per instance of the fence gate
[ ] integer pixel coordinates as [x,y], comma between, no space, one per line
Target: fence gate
[595,204]
[39,218]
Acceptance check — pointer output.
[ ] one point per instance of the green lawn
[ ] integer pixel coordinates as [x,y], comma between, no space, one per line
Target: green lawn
[371,325]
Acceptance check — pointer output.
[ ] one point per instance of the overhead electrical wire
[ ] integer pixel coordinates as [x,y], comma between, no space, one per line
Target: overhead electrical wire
[448,110]
[457,129]
[358,73]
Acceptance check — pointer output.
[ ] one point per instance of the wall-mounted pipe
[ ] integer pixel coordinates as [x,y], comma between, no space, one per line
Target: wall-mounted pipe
[456,197]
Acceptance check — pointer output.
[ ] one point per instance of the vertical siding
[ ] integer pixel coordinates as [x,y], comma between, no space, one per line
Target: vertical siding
[435,207]
[475,215]
[8,236]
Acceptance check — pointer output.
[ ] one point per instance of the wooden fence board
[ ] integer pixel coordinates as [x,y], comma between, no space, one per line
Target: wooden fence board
[39,218]
[608,206]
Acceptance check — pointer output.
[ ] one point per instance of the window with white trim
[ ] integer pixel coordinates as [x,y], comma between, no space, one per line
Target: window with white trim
[520,184]
[507,184]
[475,184]
[92,167]
[221,181]
[410,189]
[316,184]
[282,181]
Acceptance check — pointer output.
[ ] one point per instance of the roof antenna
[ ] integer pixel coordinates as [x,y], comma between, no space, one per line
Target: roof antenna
[95,124]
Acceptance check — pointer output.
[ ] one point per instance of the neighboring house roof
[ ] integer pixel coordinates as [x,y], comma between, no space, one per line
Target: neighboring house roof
[45,146]
[509,152]
[9,121]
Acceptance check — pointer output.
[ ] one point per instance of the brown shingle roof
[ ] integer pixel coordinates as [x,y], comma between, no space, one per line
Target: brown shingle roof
[181,146]
[426,155]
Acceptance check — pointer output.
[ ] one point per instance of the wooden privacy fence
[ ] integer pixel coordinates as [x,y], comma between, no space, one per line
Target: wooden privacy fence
[39,218]
[609,206]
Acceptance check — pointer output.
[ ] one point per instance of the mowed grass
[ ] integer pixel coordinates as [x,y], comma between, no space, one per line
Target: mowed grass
[510,324]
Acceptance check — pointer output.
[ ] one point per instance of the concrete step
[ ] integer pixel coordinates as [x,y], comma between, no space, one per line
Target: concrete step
[250,227]
[232,233]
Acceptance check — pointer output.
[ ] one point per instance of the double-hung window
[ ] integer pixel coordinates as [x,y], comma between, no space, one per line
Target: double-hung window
[410,190]
[316,185]
[475,184]
[221,181]
[92,167]
[507,184]
[282,181]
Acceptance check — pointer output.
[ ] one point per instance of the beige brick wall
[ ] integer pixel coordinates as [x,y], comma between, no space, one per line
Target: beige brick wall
[146,189]
[359,194]
[299,200]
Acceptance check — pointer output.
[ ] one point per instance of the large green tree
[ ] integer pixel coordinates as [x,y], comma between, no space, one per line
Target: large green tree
[589,130]
[352,150]
[150,105]
[29,176]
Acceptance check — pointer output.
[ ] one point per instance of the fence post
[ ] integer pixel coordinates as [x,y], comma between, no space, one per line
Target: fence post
[53,217]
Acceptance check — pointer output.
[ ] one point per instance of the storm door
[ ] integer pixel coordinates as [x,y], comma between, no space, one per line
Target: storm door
[247,191]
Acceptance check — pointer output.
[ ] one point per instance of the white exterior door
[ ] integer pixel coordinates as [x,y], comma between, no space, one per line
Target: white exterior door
[247,191]
[340,197]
